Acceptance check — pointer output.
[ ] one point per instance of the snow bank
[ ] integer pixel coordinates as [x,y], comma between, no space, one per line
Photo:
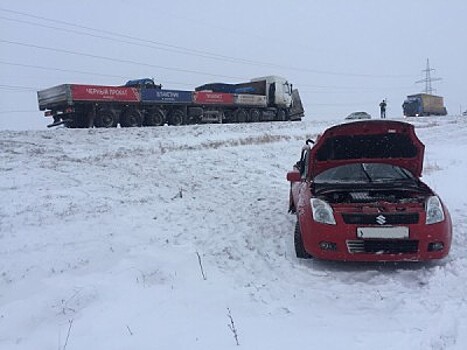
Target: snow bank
[101,230]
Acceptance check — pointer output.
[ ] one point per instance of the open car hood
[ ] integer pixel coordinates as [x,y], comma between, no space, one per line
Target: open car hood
[369,141]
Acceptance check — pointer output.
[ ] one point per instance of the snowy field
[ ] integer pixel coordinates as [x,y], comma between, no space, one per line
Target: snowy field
[145,238]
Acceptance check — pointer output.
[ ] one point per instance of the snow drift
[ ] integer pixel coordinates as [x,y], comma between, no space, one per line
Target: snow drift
[145,238]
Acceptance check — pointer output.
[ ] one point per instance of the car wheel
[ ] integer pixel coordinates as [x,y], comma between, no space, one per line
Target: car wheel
[300,251]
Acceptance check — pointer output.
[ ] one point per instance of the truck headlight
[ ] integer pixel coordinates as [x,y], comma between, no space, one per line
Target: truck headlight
[322,211]
[434,210]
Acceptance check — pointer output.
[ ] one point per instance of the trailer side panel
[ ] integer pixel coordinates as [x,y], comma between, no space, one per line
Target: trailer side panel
[166,96]
[104,93]
[216,98]
[250,100]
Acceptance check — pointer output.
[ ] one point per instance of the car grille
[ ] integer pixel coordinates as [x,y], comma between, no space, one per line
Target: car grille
[389,219]
[382,246]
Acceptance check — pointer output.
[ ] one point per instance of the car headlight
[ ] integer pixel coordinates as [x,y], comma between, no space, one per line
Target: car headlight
[322,211]
[434,210]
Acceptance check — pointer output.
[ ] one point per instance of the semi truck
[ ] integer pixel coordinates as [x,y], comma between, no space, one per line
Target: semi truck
[423,105]
[142,102]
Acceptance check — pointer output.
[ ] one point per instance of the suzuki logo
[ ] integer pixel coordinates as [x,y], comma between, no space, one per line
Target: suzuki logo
[381,219]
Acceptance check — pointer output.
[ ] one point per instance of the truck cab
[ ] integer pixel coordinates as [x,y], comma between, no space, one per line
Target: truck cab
[278,91]
[145,83]
[412,106]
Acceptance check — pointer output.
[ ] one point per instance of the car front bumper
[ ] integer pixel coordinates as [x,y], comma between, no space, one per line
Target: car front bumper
[342,242]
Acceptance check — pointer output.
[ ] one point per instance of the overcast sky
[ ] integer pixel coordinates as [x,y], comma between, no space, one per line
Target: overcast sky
[343,56]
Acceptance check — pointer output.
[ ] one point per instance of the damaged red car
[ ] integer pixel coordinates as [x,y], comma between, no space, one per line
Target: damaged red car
[358,196]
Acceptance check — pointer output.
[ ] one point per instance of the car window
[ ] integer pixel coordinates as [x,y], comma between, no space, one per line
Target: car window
[383,172]
[364,173]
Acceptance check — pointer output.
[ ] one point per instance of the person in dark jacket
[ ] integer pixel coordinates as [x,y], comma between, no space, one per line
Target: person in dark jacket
[382,108]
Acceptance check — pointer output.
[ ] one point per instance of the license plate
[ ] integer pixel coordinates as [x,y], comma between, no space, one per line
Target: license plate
[398,232]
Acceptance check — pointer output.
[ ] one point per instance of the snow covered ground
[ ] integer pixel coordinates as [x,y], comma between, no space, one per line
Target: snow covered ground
[145,238]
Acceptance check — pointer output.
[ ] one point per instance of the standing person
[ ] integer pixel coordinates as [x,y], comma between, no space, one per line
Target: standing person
[382,108]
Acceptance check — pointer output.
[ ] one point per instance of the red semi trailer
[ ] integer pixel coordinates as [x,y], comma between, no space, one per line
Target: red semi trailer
[144,103]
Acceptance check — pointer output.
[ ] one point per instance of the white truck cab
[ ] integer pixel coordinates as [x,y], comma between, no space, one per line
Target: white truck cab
[278,91]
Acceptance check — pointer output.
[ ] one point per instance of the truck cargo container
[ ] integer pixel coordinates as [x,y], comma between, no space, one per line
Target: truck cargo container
[142,102]
[251,87]
[423,105]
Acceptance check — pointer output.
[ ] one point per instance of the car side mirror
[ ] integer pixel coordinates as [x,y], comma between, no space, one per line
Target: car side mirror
[294,176]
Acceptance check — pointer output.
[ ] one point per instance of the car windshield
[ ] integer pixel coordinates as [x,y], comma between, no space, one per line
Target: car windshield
[364,173]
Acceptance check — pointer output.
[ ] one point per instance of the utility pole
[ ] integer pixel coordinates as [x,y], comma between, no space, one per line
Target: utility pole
[428,79]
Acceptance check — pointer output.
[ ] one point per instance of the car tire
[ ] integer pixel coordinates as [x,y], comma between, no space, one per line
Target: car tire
[300,251]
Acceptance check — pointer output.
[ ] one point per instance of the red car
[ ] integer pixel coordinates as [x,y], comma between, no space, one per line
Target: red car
[358,196]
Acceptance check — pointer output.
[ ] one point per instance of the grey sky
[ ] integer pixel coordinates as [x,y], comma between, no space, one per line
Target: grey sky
[343,56]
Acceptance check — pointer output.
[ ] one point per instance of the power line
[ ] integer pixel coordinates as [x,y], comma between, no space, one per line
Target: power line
[182,50]
[32,66]
[54,20]
[23,111]
[340,104]
[175,50]
[168,47]
[119,60]
[62,70]
[22,88]
[353,89]
[17,87]
[8,91]
[341,92]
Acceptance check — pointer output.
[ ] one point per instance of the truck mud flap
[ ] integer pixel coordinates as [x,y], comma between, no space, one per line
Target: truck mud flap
[296,112]
[59,123]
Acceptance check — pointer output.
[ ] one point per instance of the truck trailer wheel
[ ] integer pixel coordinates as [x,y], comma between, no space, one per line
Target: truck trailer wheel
[255,116]
[131,118]
[281,115]
[106,119]
[76,120]
[240,116]
[155,118]
[177,118]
